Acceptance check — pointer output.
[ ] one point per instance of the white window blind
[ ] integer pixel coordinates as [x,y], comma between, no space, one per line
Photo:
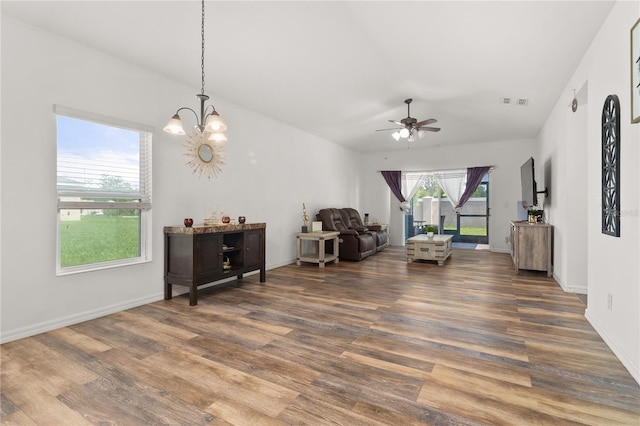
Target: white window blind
[113,174]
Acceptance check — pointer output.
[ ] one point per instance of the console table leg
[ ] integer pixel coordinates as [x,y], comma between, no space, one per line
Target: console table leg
[168,288]
[193,295]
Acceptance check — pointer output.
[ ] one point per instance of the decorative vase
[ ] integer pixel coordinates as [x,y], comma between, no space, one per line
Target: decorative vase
[429,234]
[242,219]
[226,219]
[188,222]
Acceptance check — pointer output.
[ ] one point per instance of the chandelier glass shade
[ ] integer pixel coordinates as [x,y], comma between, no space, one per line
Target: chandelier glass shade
[174,126]
[214,123]
[217,137]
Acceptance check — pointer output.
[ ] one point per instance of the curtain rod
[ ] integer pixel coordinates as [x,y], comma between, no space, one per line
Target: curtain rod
[435,171]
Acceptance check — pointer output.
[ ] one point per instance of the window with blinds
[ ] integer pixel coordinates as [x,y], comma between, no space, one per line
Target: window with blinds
[104,191]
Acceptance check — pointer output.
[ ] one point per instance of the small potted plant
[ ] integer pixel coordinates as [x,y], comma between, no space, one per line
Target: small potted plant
[430,230]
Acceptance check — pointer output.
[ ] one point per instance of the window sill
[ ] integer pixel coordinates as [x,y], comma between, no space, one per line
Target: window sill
[71,270]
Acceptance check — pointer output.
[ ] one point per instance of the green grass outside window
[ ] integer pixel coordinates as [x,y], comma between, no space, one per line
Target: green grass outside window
[99,238]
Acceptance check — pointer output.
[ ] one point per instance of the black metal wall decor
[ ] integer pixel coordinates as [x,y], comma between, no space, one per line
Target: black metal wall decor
[611,166]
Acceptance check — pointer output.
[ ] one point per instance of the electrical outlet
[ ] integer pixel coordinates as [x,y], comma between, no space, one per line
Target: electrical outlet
[610,301]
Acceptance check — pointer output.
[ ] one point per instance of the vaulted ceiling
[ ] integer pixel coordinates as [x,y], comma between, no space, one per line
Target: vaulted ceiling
[342,69]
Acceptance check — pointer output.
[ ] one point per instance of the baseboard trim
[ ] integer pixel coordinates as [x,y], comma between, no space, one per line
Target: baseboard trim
[54,324]
[569,289]
[499,250]
[280,264]
[629,363]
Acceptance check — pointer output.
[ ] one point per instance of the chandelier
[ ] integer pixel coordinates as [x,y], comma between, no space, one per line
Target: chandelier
[209,121]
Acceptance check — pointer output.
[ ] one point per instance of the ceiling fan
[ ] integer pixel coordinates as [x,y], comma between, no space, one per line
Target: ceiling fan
[410,128]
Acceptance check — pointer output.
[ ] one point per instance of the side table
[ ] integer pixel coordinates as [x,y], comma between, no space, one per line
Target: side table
[321,257]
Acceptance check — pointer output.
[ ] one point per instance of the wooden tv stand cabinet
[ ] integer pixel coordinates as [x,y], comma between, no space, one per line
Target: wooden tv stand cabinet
[194,256]
[532,246]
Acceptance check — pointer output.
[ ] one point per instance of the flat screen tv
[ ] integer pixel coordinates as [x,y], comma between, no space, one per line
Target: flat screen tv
[528,182]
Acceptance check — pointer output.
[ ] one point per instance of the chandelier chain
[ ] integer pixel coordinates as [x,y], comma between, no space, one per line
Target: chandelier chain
[202,55]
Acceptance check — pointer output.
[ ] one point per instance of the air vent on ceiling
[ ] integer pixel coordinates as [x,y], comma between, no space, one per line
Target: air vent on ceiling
[511,101]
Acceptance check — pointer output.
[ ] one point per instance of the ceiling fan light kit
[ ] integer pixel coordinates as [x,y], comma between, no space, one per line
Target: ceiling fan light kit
[411,128]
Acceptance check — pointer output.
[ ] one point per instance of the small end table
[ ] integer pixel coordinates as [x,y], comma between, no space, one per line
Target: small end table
[321,257]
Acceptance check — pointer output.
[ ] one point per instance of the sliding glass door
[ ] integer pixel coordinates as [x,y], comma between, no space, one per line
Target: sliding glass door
[471,225]
[431,207]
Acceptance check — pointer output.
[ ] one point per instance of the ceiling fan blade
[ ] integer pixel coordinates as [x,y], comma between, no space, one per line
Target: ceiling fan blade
[410,127]
[425,122]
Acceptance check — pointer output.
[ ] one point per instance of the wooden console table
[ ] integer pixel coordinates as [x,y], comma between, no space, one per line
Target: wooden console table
[205,254]
[422,247]
[321,258]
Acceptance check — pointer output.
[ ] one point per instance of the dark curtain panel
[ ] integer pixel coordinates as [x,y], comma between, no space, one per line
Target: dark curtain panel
[394,180]
[474,178]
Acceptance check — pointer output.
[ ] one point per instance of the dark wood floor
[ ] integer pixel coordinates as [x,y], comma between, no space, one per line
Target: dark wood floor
[374,342]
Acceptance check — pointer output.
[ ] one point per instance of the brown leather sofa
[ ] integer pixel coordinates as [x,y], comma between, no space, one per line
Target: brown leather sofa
[354,221]
[356,241]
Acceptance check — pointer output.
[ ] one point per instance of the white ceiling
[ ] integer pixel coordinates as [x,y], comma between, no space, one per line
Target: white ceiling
[341,69]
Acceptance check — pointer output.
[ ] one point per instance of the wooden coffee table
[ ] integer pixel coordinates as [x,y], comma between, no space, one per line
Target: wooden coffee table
[436,248]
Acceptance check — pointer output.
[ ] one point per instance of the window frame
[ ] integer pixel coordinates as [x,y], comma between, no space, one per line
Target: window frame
[143,202]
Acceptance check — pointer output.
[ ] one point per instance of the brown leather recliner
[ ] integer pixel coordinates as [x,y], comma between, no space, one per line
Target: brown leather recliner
[353,220]
[353,245]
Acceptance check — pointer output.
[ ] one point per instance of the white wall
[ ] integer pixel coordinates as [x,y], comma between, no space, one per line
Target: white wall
[504,181]
[562,141]
[271,170]
[571,142]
